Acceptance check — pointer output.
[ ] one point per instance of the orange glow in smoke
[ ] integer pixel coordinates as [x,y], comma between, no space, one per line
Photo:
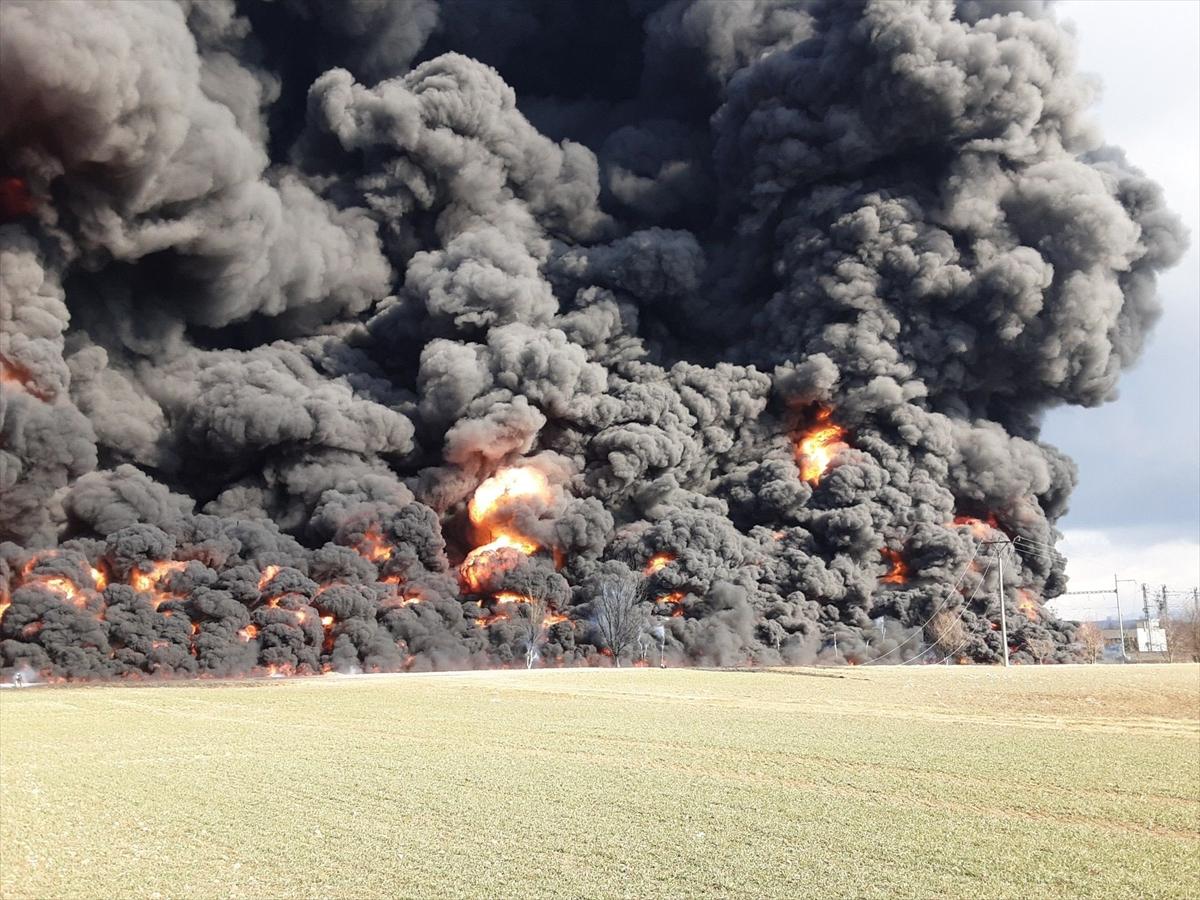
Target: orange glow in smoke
[249,633]
[267,574]
[510,597]
[505,546]
[1027,604]
[674,599]
[658,562]
[99,579]
[374,547]
[979,527]
[326,621]
[15,376]
[491,618]
[819,445]
[494,558]
[504,486]
[16,200]
[147,581]
[63,586]
[897,569]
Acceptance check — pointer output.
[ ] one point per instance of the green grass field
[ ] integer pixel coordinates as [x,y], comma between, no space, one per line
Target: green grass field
[924,782]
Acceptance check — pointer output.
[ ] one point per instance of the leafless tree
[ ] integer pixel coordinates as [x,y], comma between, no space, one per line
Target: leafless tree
[619,612]
[1183,633]
[535,611]
[1090,636]
[946,631]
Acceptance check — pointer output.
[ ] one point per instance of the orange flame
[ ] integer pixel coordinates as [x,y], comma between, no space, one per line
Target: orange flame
[506,485]
[658,562]
[249,633]
[1027,604]
[99,579]
[15,376]
[510,597]
[326,621]
[507,598]
[488,561]
[819,445]
[267,574]
[146,582]
[674,599]
[491,618]
[374,547]
[504,547]
[979,527]
[897,569]
[62,586]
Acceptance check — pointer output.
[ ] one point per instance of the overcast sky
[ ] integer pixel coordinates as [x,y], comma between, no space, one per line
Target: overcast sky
[1136,511]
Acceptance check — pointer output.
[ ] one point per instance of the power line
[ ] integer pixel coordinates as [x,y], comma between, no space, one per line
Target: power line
[961,576]
[958,618]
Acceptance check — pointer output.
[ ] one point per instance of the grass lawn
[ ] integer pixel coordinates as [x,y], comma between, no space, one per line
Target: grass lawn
[931,781]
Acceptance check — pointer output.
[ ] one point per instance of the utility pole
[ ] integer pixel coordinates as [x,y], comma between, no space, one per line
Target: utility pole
[1003,616]
[1164,619]
[1000,589]
[1120,619]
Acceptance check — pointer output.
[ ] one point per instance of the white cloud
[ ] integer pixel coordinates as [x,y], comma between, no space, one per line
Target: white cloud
[1145,555]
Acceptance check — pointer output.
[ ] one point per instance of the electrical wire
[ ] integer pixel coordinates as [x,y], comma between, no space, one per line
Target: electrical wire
[946,599]
[958,618]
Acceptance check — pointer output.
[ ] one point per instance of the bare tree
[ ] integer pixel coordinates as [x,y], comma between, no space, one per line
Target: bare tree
[542,600]
[1090,636]
[946,631]
[618,612]
[1183,633]
[535,611]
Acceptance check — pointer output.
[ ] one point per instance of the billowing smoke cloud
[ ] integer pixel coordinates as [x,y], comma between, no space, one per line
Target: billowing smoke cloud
[370,336]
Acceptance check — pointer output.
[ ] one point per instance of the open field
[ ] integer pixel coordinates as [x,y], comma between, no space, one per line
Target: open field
[918,782]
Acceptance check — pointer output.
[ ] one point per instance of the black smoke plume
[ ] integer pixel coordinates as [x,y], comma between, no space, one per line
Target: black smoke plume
[767,301]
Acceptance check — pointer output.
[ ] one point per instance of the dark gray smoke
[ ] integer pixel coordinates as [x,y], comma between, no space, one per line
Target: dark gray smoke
[285,281]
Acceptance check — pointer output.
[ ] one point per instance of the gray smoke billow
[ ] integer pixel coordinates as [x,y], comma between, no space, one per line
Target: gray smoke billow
[284,282]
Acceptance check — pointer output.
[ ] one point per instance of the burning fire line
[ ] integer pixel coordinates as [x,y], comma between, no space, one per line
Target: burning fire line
[508,598]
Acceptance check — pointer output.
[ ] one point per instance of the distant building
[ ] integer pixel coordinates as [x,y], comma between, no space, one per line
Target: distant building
[1151,647]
